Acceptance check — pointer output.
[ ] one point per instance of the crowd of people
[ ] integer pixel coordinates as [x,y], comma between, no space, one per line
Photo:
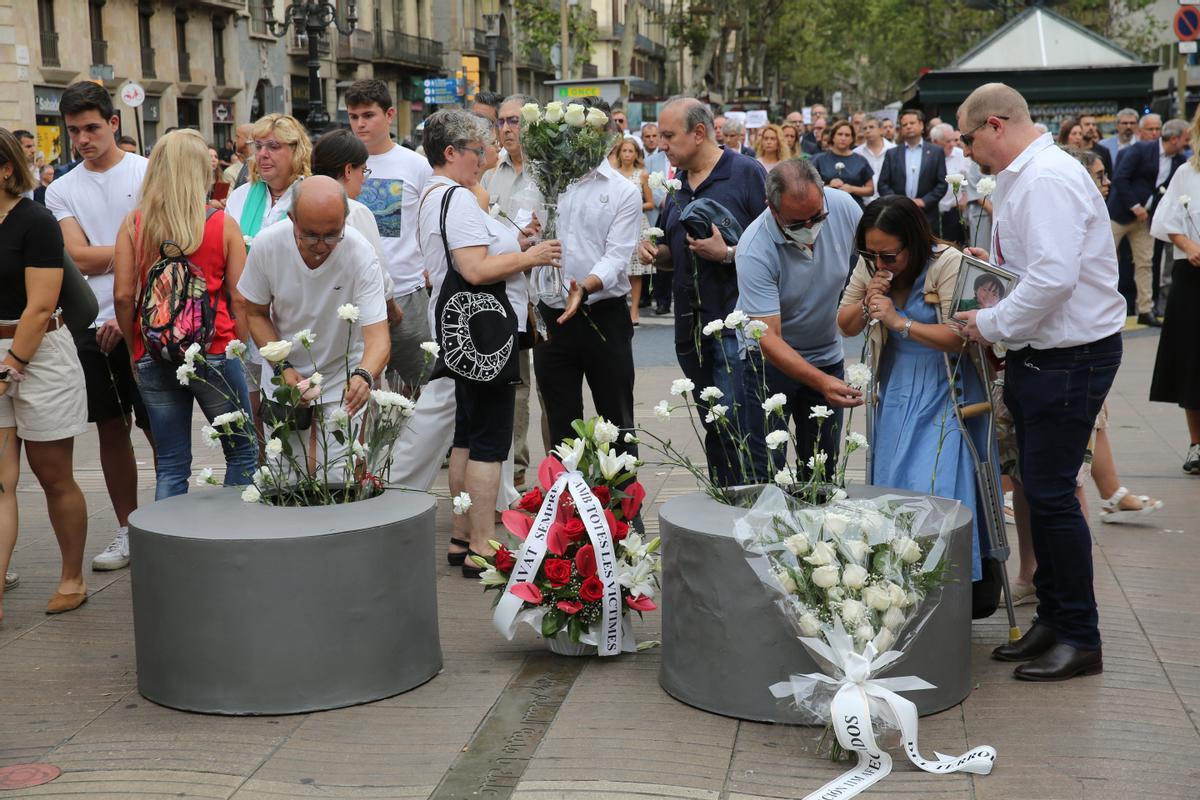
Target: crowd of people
[815,231]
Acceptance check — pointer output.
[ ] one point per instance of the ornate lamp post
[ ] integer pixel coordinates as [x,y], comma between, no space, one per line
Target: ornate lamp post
[313,16]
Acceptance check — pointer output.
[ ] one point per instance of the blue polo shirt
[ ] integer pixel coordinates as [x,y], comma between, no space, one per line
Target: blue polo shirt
[739,183]
[775,277]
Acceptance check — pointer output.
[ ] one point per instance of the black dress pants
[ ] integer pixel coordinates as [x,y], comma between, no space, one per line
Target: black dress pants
[576,351]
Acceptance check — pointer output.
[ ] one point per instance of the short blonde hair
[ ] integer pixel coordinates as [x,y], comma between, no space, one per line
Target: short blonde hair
[11,152]
[289,131]
[785,152]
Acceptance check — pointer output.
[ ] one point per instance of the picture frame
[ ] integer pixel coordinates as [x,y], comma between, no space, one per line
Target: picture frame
[980,285]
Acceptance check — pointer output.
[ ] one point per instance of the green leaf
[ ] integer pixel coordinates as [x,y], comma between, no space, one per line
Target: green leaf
[552,623]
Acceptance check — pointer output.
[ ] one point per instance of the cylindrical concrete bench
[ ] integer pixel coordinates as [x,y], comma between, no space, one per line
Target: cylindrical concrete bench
[725,641]
[242,608]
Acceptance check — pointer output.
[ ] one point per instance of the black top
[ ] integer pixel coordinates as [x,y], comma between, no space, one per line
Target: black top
[29,237]
[855,170]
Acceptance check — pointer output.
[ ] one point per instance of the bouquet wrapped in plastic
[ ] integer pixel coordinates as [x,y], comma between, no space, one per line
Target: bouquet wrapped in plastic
[856,580]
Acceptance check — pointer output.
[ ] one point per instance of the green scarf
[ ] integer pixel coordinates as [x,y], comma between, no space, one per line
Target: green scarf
[252,212]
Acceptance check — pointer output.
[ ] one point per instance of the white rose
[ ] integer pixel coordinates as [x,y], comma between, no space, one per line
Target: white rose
[462,503]
[857,548]
[235,349]
[911,599]
[530,112]
[276,351]
[554,112]
[716,326]
[711,393]
[777,439]
[606,432]
[715,412]
[798,544]
[596,118]
[785,580]
[431,349]
[785,477]
[755,329]
[822,553]
[893,618]
[736,319]
[662,410]
[826,577]
[809,624]
[858,376]
[274,446]
[305,338]
[854,576]
[836,594]
[883,640]
[348,312]
[871,522]
[680,386]
[576,115]
[774,403]
[852,612]
[864,633]
[251,494]
[895,594]
[205,477]
[906,549]
[836,524]
[877,598]
[820,412]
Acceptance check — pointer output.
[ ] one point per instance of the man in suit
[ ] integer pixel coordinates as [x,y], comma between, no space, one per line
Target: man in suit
[1143,172]
[915,168]
[1127,123]
[733,134]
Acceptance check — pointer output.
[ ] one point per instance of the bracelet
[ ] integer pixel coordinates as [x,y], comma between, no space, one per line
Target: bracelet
[366,376]
[280,367]
[24,363]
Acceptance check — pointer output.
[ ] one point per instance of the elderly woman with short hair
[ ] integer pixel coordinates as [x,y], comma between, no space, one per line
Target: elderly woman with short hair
[485,252]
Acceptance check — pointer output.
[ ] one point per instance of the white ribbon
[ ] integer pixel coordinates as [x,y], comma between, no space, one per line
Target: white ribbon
[851,715]
[612,636]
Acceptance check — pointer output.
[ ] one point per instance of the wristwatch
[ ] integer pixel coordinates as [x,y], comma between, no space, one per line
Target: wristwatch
[904,332]
[280,366]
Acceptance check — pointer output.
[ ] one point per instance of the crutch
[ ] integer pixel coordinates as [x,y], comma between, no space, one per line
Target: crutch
[869,357]
[985,477]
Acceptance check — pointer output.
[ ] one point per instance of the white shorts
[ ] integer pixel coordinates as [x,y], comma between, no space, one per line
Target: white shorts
[51,403]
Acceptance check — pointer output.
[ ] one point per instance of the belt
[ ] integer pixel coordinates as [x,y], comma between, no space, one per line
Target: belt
[54,323]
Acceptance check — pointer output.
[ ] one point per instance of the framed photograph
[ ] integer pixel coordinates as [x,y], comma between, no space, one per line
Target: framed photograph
[980,285]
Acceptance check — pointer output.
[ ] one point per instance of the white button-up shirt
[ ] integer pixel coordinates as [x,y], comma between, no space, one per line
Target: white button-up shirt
[955,162]
[1051,228]
[599,224]
[876,162]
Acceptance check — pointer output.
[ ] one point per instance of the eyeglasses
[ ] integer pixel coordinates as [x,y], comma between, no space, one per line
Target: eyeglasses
[328,241]
[478,151]
[968,138]
[272,145]
[806,223]
[871,257]
[511,122]
[366,172]
[1100,177]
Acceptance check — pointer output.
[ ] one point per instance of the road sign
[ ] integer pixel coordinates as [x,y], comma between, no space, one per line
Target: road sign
[1187,47]
[1187,24]
[444,84]
[132,94]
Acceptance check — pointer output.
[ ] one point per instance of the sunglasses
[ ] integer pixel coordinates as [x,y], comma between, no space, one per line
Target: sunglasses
[511,122]
[968,138]
[871,257]
[806,223]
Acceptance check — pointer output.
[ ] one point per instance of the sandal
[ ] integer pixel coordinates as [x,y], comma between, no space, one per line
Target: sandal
[470,569]
[1111,511]
[457,559]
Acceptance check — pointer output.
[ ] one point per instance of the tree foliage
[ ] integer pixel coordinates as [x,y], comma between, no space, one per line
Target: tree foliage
[539,22]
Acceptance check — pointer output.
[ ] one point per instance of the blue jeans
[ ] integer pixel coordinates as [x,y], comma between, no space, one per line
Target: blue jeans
[1054,396]
[800,400]
[222,388]
[719,364]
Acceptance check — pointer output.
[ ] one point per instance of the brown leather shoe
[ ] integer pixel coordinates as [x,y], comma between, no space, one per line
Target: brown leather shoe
[1060,662]
[61,603]
[1037,640]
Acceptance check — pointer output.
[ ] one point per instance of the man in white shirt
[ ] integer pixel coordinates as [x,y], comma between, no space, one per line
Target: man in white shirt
[590,331]
[873,149]
[952,204]
[90,203]
[299,272]
[393,193]
[1062,326]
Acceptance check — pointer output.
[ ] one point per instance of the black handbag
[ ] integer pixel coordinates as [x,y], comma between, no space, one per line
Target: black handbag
[475,326]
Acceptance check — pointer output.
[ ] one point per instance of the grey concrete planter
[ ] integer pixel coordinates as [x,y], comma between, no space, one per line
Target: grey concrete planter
[241,608]
[725,642]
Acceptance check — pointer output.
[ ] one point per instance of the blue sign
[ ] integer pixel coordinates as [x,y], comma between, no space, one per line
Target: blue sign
[1187,24]
[442,99]
[440,84]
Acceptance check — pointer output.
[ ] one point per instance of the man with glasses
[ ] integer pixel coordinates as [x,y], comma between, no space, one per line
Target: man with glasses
[298,273]
[1062,328]
[792,265]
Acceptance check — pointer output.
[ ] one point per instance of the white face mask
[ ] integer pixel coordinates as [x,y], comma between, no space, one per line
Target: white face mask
[804,238]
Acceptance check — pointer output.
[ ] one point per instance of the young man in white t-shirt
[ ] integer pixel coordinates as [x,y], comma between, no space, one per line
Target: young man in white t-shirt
[393,193]
[89,203]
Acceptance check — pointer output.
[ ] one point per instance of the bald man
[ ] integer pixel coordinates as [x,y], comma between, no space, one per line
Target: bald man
[238,171]
[300,275]
[1062,326]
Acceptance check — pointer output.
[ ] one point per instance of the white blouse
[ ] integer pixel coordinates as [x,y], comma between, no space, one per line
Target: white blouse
[1171,216]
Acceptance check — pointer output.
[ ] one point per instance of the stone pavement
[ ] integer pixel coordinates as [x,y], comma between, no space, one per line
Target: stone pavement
[506,719]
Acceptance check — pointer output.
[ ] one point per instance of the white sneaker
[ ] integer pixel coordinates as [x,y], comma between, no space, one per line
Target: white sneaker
[116,555]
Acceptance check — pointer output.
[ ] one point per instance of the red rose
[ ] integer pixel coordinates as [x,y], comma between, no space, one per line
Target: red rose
[575,529]
[570,606]
[531,501]
[602,494]
[585,561]
[504,560]
[619,531]
[557,571]
[592,590]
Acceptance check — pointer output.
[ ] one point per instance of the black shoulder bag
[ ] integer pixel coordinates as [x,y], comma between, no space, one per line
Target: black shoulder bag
[475,325]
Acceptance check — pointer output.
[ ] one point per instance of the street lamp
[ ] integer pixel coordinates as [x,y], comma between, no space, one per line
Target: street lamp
[314,16]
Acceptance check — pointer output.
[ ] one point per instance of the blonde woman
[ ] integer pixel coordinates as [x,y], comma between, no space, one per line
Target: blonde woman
[626,157]
[772,146]
[172,209]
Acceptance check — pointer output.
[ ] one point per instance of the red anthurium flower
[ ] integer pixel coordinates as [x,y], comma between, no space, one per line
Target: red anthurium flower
[591,590]
[517,522]
[532,500]
[574,529]
[504,560]
[527,592]
[570,606]
[548,472]
[635,493]
[602,494]
[640,603]
[557,571]
[557,539]
[585,561]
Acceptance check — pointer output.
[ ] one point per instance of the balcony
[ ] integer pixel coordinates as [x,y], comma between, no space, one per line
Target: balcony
[99,51]
[148,70]
[403,48]
[476,40]
[641,44]
[536,59]
[359,45]
[50,49]
[297,44]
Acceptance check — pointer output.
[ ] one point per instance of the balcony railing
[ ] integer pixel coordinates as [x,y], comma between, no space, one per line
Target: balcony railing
[476,40]
[50,49]
[99,51]
[357,46]
[148,70]
[642,44]
[535,58]
[403,47]
[298,44]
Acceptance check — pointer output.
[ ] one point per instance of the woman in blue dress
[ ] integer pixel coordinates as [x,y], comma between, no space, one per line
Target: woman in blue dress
[905,281]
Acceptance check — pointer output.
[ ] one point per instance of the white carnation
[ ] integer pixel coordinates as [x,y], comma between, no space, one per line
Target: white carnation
[205,478]
[657,181]
[340,417]
[235,349]
[855,441]
[662,410]
[985,185]
[715,412]
[184,374]
[711,393]
[251,494]
[652,234]
[274,446]
[714,327]
[755,329]
[858,376]
[820,412]
[606,432]
[817,460]
[210,436]
[348,312]
[775,403]
[305,338]
[776,439]
[431,348]
[736,319]
[785,477]
[462,503]
[680,386]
